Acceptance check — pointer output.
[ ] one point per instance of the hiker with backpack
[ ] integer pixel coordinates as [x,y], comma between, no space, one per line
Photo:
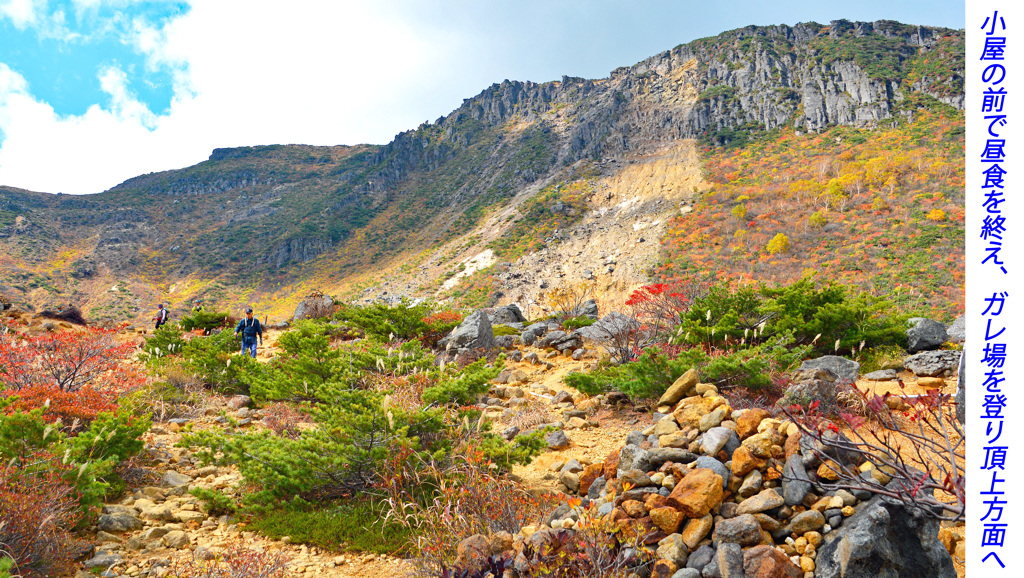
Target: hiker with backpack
[161,316]
[249,328]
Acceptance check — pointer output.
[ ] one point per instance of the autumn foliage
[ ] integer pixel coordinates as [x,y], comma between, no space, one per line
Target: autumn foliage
[36,510]
[67,361]
[882,209]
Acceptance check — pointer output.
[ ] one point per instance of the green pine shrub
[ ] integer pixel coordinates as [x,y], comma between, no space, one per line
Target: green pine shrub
[203,320]
[577,322]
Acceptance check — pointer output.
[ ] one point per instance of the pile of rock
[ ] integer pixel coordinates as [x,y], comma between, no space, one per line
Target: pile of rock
[719,492]
[316,305]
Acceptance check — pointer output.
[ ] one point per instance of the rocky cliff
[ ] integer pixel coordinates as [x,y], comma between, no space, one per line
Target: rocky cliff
[259,217]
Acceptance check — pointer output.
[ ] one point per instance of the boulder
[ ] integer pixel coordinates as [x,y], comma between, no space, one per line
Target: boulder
[173,479]
[633,457]
[237,402]
[881,375]
[607,327]
[805,391]
[697,493]
[474,332]
[472,552]
[316,305]
[795,483]
[925,334]
[557,440]
[956,332]
[715,466]
[933,363]
[507,315]
[846,370]
[104,559]
[766,500]
[118,523]
[679,388]
[743,530]
[884,538]
[767,562]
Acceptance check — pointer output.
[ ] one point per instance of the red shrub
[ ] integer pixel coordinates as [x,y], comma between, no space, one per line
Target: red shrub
[36,511]
[68,361]
[82,405]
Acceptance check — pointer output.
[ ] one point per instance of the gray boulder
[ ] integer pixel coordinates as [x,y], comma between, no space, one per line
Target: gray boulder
[557,440]
[173,479]
[810,385]
[845,369]
[474,332]
[925,334]
[607,327]
[795,483]
[884,538]
[633,457]
[933,363]
[315,306]
[104,559]
[956,331]
[658,456]
[881,375]
[507,315]
[743,530]
[118,523]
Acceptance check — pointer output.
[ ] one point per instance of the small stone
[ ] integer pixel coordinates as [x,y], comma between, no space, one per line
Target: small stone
[931,382]
[806,521]
[766,500]
[847,511]
[696,529]
[175,539]
[743,530]
[667,519]
[557,440]
[673,548]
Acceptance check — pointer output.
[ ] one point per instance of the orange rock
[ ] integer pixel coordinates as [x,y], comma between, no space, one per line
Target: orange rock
[744,462]
[667,518]
[697,493]
[591,473]
[746,424]
[634,508]
[611,464]
[767,562]
[664,569]
[654,501]
[696,529]
[691,409]
[792,445]
[827,470]
[931,382]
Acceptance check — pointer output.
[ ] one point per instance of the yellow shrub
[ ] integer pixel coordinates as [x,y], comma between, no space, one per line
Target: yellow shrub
[936,215]
[779,244]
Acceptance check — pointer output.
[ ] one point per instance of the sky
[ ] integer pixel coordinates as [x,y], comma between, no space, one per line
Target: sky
[93,92]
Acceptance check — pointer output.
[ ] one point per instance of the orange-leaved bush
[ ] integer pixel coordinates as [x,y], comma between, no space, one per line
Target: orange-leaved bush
[70,407]
[37,509]
[68,361]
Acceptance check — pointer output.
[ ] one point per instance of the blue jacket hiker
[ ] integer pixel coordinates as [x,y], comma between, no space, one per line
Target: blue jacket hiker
[249,328]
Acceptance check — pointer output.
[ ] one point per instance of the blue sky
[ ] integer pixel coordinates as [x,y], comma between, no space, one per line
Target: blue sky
[93,92]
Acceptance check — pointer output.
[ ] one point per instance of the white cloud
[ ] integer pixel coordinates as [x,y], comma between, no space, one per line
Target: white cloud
[312,73]
[22,13]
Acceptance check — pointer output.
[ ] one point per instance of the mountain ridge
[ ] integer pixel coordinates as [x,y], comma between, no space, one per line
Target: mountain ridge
[253,218]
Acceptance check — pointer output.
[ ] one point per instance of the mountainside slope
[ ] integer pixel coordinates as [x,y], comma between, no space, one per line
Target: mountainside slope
[500,174]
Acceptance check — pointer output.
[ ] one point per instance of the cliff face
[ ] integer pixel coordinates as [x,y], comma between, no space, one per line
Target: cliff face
[248,215]
[757,77]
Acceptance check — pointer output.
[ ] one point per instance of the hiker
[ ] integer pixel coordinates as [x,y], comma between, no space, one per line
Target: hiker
[249,328]
[198,307]
[161,316]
